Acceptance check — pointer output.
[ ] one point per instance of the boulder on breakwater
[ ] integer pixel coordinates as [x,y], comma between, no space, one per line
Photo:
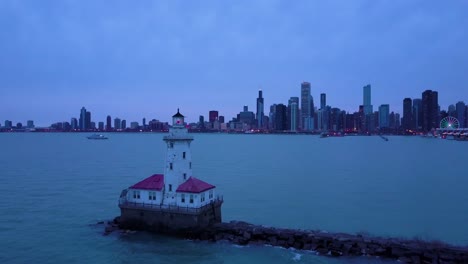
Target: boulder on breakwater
[324,243]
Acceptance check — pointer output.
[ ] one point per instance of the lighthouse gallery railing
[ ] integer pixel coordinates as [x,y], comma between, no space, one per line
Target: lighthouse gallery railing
[124,203]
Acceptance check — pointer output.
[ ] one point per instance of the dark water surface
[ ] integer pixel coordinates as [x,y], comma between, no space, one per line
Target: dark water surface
[54,187]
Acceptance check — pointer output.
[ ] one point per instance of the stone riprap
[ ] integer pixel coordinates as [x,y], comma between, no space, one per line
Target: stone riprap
[325,243]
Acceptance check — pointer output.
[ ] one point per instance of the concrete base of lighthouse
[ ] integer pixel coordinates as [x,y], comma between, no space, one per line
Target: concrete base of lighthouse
[169,219]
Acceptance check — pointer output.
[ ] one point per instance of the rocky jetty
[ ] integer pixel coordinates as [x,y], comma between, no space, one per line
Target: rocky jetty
[324,243]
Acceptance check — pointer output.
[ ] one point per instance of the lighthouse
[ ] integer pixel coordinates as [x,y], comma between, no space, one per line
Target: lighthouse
[175,200]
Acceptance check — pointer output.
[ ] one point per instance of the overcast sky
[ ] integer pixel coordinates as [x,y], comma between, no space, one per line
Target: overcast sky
[135,59]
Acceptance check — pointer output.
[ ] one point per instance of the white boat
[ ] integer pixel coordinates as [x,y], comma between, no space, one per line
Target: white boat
[97,136]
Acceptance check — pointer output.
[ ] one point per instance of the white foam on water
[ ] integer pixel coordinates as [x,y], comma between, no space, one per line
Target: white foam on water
[297,257]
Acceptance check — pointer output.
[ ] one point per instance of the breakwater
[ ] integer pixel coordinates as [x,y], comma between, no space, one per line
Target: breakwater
[324,243]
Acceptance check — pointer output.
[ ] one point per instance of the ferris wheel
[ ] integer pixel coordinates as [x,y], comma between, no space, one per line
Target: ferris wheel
[449,122]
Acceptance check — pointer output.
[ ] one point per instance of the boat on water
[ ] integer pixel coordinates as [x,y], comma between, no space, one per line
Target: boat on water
[97,136]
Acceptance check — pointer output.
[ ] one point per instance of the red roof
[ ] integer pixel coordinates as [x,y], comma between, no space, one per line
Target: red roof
[194,185]
[154,182]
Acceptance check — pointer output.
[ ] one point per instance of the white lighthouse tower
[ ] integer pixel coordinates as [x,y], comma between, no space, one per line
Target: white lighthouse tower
[178,167]
[174,200]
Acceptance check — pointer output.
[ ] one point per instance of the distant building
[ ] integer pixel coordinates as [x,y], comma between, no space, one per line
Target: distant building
[407,114]
[213,115]
[144,123]
[108,123]
[101,126]
[461,115]
[293,113]
[272,116]
[368,109]
[92,125]
[384,111]
[74,124]
[30,124]
[417,113]
[260,109]
[66,126]
[117,123]
[221,119]
[397,121]
[466,116]
[391,120]
[8,124]
[88,121]
[323,100]
[246,117]
[430,110]
[134,125]
[123,124]
[83,118]
[281,123]
[452,111]
[201,122]
[307,104]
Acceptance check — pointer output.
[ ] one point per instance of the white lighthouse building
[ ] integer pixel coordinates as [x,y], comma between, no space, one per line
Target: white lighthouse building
[174,200]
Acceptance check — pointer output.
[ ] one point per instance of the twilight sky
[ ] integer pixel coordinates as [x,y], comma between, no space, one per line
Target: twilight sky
[135,59]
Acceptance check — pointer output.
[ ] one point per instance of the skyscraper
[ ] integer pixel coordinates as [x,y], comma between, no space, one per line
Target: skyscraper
[123,124]
[101,126]
[293,113]
[30,124]
[212,116]
[74,123]
[306,107]
[384,111]
[281,123]
[117,123]
[88,120]
[323,100]
[272,116]
[367,100]
[260,110]
[201,122]
[108,123]
[430,110]
[407,114]
[417,113]
[460,108]
[83,118]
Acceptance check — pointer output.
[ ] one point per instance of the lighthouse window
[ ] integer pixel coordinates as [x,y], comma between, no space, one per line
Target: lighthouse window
[182,198]
[170,165]
[190,165]
[211,194]
[183,155]
[202,198]
[152,196]
[191,198]
[136,194]
[171,145]
[170,187]
[185,176]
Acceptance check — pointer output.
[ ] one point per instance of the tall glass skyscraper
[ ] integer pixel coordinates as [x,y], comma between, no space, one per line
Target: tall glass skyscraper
[260,110]
[306,107]
[384,111]
[367,100]
[293,113]
[83,119]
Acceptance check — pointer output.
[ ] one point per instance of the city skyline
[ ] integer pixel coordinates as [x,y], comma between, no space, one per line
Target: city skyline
[83,119]
[136,60]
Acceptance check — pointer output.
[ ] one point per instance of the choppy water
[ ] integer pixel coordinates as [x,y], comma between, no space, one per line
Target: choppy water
[53,187]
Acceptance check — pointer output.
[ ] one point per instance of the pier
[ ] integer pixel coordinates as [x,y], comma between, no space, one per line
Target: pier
[321,242]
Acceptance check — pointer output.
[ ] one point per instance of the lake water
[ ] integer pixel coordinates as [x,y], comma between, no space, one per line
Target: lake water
[55,186]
